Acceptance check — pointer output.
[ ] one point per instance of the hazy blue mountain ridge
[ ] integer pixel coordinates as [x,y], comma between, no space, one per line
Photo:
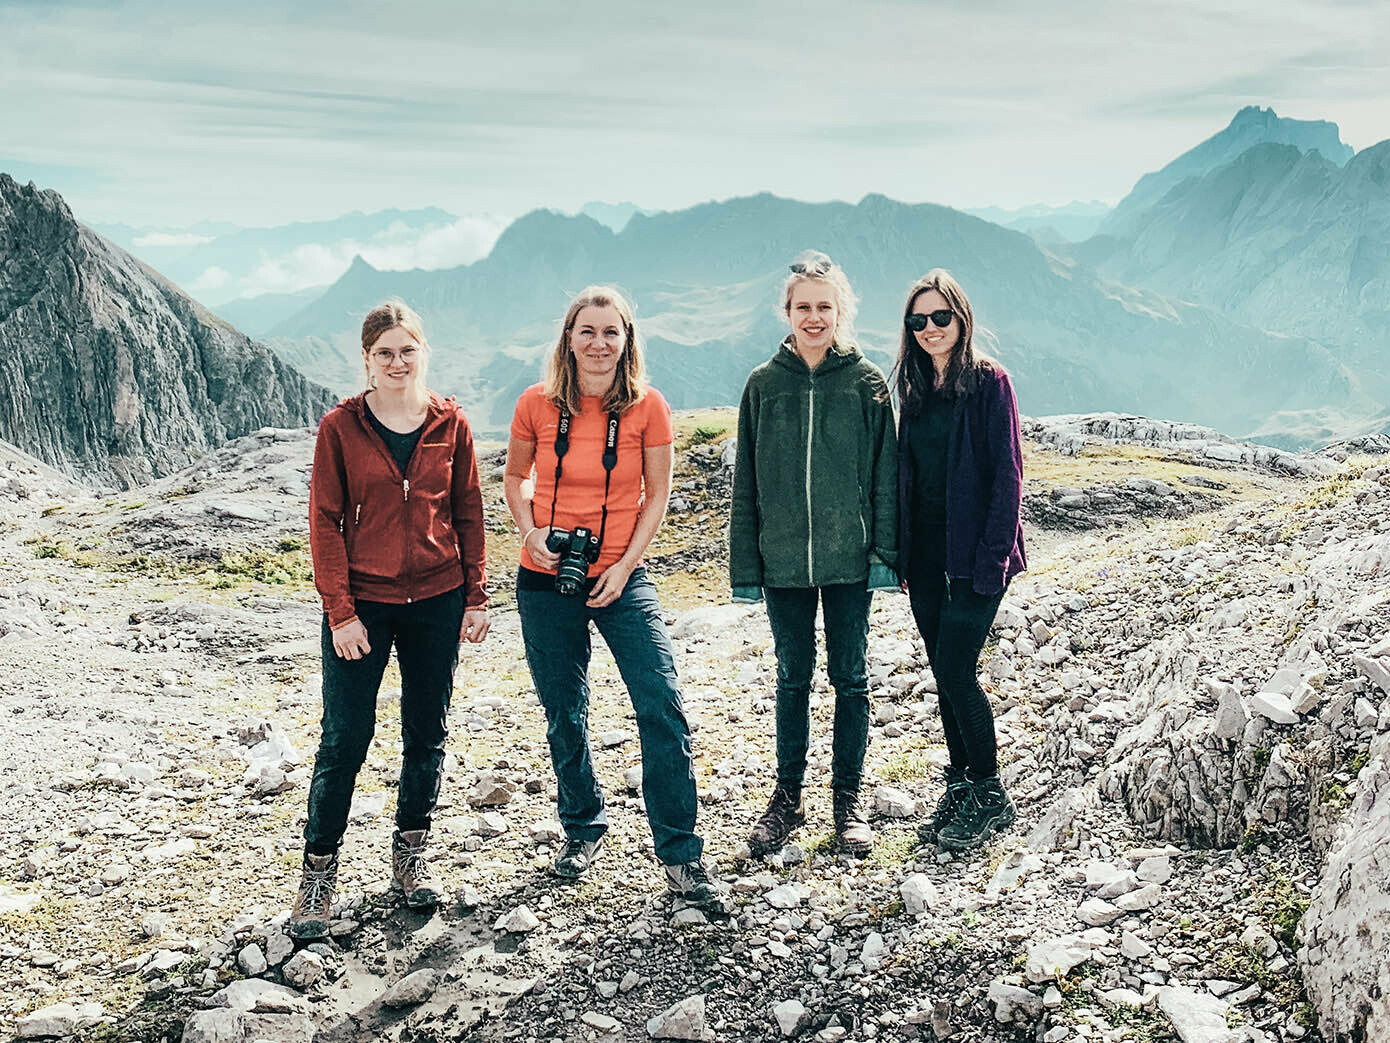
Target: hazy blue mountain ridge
[1249,127]
[705,282]
[1072,222]
[1280,239]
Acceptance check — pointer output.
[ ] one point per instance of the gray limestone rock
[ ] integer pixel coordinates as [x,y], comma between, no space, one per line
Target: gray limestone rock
[139,379]
[683,1020]
[57,1019]
[235,1026]
[413,989]
[1345,955]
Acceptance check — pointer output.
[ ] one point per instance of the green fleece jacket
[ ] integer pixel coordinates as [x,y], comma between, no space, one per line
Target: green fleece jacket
[815,475]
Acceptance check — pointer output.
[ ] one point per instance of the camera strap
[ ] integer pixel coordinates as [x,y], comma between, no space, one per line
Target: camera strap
[610,461]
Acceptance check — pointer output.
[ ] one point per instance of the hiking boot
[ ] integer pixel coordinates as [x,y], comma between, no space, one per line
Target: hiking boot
[575,857]
[784,813]
[951,796]
[410,873]
[852,830]
[313,906]
[985,811]
[691,882]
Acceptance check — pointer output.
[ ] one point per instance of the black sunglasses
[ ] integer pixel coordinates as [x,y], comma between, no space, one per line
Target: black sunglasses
[917,321]
[819,268]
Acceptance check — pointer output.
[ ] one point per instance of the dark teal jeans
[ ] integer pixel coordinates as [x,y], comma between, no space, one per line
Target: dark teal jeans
[791,612]
[555,630]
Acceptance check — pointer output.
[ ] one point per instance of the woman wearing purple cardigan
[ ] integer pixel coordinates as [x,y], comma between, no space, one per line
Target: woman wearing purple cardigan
[960,540]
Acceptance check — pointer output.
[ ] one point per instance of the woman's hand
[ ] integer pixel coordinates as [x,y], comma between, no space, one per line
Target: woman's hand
[611,584]
[475,625]
[350,640]
[540,553]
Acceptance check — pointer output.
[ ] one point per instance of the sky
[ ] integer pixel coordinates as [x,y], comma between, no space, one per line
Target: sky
[166,114]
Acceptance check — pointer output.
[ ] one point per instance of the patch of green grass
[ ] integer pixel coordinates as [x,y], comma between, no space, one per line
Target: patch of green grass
[902,767]
[707,432]
[1140,1024]
[52,509]
[1334,795]
[892,850]
[1254,837]
[1359,762]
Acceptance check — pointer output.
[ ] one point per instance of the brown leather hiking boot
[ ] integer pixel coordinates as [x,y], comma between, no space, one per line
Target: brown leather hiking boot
[852,829]
[313,907]
[410,873]
[784,813]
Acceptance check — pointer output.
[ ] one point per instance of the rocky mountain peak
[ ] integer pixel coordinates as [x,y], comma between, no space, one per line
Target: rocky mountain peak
[1251,126]
[107,370]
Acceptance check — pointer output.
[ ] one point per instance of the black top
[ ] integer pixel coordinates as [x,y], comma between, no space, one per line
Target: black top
[928,436]
[401,446]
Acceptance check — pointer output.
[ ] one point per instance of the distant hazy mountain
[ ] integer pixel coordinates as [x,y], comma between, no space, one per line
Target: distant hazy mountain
[256,316]
[106,369]
[1278,238]
[1251,126]
[705,281]
[614,215]
[1070,223]
[218,266]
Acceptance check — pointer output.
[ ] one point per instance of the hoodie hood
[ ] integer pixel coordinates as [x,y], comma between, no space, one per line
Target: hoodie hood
[835,359]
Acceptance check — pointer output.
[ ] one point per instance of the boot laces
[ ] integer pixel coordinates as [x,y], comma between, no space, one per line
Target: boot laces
[411,859]
[317,886]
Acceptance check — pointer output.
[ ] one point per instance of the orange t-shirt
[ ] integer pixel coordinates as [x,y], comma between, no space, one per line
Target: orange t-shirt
[580,502]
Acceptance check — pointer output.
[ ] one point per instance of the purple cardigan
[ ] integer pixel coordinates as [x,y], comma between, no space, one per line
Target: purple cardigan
[984,487]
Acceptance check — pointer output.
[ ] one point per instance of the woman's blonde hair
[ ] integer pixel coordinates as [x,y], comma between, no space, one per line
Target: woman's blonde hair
[814,266]
[561,374]
[389,315]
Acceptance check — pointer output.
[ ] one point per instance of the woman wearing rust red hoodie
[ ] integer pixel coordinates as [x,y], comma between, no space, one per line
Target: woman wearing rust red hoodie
[396,530]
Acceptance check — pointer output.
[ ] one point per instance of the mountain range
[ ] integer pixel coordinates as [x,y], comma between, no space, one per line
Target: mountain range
[706,280]
[1250,126]
[107,370]
[1245,286]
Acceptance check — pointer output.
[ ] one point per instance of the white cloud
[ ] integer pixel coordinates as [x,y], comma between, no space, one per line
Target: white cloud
[213,278]
[158,239]
[398,247]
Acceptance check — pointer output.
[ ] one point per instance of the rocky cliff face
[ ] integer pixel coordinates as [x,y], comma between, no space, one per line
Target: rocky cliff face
[107,370]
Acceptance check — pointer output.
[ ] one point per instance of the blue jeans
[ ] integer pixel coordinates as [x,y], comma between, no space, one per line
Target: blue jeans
[555,630]
[426,636]
[791,612]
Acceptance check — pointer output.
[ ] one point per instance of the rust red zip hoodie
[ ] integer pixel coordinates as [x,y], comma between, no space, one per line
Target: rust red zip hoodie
[380,535]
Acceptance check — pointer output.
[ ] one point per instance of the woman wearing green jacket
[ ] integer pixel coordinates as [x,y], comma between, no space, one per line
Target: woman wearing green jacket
[814,520]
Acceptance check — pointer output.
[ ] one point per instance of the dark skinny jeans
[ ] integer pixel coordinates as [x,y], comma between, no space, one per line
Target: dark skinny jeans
[426,636]
[954,622]
[791,613]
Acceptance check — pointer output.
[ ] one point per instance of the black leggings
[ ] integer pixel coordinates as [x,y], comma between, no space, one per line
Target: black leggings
[954,622]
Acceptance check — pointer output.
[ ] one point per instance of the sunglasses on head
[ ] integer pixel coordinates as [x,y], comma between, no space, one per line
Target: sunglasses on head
[820,268]
[917,321]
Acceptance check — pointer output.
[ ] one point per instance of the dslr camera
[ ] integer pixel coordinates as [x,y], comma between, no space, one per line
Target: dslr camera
[578,550]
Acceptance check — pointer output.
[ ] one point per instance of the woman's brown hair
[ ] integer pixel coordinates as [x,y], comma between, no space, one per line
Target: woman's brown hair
[914,376]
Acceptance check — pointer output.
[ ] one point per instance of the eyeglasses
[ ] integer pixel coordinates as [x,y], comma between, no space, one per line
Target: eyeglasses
[917,321]
[820,268]
[386,357]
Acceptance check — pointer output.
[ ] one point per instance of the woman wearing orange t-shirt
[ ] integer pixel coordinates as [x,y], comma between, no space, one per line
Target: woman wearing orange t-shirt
[599,439]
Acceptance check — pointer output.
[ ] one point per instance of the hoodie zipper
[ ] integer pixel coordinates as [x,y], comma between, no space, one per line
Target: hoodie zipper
[810,435]
[405,487]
